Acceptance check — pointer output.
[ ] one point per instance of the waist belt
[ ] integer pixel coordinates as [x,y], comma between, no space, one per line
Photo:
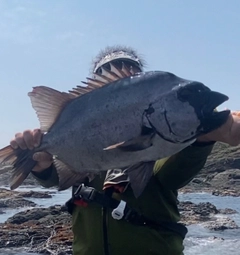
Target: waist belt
[82,195]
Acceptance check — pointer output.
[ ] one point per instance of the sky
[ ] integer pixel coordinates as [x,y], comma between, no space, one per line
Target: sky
[53,43]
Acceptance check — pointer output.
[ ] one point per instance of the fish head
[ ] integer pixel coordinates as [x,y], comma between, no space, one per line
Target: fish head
[187,112]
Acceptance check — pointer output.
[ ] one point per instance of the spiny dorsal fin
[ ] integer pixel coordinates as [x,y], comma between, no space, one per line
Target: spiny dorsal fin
[104,78]
[79,90]
[48,103]
[110,74]
[100,80]
[117,71]
[96,82]
[126,71]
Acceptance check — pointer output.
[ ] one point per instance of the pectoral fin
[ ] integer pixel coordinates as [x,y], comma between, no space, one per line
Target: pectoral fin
[141,142]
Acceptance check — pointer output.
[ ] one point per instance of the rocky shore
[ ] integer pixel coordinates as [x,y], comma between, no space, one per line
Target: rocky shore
[221,174]
[41,230]
[48,230]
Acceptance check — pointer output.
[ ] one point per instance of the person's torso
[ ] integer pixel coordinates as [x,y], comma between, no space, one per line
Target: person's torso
[94,228]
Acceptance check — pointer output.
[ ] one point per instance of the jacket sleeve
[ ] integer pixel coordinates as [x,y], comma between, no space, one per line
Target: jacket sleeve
[47,178]
[178,170]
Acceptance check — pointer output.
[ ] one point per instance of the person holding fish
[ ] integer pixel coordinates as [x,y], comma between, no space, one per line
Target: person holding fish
[118,222]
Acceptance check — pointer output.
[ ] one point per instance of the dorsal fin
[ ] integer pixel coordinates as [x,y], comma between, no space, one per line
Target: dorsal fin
[104,78]
[91,85]
[100,80]
[79,90]
[117,71]
[126,71]
[48,103]
[95,82]
[110,74]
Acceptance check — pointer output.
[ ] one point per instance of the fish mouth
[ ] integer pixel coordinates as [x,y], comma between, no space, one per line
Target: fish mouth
[205,102]
[210,118]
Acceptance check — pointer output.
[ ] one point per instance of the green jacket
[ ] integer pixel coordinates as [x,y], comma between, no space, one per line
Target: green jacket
[158,202]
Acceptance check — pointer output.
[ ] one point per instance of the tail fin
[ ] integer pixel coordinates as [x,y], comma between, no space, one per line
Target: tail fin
[22,163]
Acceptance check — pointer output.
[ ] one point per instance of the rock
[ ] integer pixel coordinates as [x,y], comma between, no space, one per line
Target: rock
[226,192]
[207,215]
[226,179]
[225,183]
[28,215]
[221,173]
[40,230]
[35,194]
[15,199]
[16,203]
[223,157]
[227,211]
[220,224]
[41,215]
[196,213]
[6,193]
[203,209]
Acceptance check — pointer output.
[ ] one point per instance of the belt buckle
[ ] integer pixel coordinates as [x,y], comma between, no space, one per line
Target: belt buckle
[84,192]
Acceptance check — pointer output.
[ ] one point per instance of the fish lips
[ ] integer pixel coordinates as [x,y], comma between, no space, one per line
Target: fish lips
[209,117]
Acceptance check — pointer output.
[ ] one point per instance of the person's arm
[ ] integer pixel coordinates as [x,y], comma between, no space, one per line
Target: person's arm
[47,178]
[178,170]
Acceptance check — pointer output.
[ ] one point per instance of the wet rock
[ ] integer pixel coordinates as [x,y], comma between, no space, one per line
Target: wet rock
[227,211]
[196,213]
[16,203]
[10,199]
[40,230]
[6,193]
[203,209]
[220,224]
[207,215]
[40,215]
[226,192]
[35,194]
[226,183]
[222,158]
[227,179]
[16,199]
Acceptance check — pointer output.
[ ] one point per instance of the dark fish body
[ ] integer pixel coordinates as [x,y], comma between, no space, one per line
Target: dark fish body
[115,113]
[131,121]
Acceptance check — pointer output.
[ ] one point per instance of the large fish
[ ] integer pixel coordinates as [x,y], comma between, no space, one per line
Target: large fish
[128,124]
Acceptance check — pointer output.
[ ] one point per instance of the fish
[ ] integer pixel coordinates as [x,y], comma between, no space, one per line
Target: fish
[117,120]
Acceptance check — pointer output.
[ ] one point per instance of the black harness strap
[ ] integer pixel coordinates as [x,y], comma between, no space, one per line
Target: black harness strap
[121,211]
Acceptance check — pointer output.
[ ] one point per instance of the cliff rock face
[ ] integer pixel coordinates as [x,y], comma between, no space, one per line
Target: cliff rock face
[221,173]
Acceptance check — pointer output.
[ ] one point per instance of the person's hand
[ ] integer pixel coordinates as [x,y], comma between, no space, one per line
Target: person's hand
[228,133]
[31,139]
